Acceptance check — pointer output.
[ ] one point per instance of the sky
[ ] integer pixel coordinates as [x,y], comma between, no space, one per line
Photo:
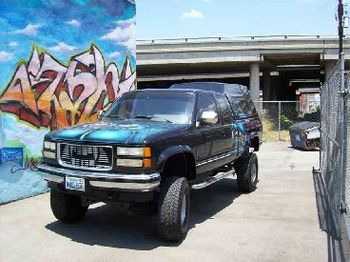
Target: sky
[204,18]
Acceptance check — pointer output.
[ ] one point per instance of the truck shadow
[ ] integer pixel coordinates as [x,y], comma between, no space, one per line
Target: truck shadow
[106,225]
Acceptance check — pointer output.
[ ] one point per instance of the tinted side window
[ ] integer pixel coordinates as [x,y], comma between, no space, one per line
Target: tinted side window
[252,108]
[243,107]
[206,102]
[225,108]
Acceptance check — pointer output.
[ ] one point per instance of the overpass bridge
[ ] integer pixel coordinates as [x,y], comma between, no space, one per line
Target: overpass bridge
[272,66]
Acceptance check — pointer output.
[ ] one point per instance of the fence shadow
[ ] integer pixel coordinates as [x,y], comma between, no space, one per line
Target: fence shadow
[107,225]
[338,248]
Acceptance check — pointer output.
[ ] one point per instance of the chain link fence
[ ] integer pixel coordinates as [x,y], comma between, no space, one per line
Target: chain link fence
[346,159]
[278,116]
[332,179]
[331,154]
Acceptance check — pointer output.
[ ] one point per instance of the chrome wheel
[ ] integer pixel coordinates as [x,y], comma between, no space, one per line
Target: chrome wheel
[253,173]
[183,210]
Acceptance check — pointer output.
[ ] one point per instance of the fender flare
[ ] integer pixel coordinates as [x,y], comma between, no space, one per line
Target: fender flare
[169,152]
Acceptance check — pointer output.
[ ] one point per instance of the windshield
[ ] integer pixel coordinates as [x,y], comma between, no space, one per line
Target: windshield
[172,107]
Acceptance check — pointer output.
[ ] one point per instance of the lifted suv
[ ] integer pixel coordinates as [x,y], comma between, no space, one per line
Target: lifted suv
[151,146]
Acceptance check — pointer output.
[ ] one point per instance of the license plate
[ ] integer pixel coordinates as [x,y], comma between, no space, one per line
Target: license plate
[75,183]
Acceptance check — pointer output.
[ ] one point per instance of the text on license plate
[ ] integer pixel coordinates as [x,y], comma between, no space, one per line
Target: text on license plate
[75,183]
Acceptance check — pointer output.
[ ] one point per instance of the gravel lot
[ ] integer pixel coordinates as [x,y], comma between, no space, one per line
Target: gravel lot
[278,222]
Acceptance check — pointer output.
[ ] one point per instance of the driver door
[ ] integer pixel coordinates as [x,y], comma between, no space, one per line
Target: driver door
[209,134]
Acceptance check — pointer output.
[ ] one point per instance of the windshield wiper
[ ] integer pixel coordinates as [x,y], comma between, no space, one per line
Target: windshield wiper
[116,116]
[151,117]
[144,116]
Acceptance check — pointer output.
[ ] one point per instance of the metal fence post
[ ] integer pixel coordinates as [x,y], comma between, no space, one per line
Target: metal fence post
[344,91]
[279,120]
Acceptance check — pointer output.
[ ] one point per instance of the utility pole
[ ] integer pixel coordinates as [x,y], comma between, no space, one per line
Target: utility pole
[340,26]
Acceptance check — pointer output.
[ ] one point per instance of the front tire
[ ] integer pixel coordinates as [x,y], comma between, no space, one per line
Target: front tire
[247,173]
[67,208]
[174,206]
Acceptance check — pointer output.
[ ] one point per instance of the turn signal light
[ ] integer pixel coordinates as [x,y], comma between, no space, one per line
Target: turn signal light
[147,152]
[147,163]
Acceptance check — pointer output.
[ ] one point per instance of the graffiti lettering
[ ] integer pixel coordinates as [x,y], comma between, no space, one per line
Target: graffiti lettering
[30,164]
[44,93]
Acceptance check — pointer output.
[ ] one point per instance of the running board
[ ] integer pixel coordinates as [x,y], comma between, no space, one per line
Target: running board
[213,180]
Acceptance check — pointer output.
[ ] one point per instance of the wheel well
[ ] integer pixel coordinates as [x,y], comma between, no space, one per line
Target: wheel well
[255,143]
[182,164]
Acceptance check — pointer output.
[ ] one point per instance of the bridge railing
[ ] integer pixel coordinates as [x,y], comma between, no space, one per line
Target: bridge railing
[237,38]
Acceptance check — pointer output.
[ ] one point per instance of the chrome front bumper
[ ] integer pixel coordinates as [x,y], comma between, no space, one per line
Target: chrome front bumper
[129,182]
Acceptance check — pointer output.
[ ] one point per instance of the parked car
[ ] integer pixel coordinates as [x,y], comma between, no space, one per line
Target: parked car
[152,147]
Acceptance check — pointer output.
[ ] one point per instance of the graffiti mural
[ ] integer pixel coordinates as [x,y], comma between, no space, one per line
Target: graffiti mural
[45,93]
[61,62]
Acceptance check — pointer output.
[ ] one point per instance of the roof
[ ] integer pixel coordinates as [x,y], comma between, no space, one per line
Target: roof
[177,90]
[229,89]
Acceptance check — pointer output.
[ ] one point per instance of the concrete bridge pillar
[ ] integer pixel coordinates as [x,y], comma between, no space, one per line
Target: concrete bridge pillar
[267,85]
[254,81]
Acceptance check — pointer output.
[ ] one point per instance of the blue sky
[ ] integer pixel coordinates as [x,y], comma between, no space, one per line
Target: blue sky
[199,18]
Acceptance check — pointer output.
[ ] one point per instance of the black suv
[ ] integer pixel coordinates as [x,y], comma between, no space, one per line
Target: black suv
[151,147]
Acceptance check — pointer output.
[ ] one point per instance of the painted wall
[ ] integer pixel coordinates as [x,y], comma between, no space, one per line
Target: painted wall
[61,62]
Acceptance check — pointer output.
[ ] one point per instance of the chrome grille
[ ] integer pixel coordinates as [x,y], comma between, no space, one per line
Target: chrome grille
[86,156]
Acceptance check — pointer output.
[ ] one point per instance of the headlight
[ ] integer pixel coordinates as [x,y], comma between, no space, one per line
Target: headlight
[49,154]
[49,146]
[134,157]
[134,151]
[130,162]
[49,150]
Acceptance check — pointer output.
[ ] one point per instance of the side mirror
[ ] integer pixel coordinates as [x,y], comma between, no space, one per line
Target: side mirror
[209,118]
[100,114]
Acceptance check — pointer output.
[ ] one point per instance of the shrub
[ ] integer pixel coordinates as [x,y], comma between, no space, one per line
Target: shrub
[286,122]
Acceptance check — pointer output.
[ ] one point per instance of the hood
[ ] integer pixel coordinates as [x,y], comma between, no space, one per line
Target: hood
[118,132]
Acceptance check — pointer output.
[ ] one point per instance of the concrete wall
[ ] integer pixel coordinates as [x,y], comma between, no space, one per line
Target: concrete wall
[61,62]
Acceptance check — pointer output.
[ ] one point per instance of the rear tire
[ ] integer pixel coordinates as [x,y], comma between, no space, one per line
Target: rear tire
[67,208]
[173,211]
[247,173]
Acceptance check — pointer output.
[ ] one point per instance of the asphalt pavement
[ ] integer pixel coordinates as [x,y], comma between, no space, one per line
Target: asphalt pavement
[277,222]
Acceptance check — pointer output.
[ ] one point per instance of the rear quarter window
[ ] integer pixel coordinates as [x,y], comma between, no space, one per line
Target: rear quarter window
[243,107]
